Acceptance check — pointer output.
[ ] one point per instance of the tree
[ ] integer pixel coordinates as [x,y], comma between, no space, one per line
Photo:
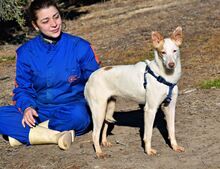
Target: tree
[13,14]
[13,10]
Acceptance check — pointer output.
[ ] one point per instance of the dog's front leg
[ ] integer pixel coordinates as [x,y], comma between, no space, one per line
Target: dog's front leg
[170,118]
[149,116]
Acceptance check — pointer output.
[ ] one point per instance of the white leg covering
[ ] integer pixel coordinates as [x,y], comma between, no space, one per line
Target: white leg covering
[42,135]
[13,142]
[46,123]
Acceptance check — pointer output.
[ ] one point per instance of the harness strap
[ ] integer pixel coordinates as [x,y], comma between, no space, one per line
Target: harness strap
[160,79]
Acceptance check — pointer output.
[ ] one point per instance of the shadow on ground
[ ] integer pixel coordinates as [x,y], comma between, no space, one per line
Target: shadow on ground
[135,118]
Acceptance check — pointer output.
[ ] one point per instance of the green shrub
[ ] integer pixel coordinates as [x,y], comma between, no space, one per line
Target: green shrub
[13,10]
[208,84]
[7,59]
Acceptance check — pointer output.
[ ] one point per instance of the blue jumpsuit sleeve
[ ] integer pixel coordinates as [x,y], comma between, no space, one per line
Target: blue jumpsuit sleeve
[24,93]
[88,63]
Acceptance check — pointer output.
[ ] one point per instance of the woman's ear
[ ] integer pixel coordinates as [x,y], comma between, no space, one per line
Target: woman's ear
[35,26]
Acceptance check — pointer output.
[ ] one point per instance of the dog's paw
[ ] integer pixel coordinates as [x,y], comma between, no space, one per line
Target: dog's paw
[151,152]
[102,155]
[106,144]
[178,148]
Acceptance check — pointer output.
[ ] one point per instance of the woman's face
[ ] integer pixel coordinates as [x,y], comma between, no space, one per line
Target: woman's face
[48,22]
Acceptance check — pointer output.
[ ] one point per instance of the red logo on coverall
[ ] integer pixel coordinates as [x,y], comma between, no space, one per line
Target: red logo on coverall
[72,78]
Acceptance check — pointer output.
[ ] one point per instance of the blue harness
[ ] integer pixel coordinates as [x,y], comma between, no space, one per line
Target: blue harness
[160,79]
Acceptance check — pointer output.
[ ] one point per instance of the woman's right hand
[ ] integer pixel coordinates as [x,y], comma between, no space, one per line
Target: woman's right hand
[28,117]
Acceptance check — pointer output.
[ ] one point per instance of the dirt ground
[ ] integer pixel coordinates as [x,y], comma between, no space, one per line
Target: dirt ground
[120,33]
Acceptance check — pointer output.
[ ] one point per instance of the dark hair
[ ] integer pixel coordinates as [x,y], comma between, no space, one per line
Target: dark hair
[37,5]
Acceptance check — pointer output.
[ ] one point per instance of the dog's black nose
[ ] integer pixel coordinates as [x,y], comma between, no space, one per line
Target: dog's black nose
[171,64]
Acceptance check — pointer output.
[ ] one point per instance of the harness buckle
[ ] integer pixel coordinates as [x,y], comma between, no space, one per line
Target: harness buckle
[167,101]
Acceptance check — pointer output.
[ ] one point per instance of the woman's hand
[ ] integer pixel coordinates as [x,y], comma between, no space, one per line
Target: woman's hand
[28,117]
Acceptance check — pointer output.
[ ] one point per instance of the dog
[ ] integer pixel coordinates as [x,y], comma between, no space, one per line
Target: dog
[152,83]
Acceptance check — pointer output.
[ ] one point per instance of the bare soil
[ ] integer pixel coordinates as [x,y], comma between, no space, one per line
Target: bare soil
[120,33]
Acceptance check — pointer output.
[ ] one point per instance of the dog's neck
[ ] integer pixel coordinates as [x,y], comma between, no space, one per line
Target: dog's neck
[171,75]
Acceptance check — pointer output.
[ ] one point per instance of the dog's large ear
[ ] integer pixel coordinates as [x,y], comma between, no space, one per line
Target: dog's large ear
[157,40]
[177,36]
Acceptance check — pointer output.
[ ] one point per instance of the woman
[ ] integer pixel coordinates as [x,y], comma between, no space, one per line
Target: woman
[51,73]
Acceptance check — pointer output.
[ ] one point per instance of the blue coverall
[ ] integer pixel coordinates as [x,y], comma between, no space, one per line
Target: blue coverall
[51,79]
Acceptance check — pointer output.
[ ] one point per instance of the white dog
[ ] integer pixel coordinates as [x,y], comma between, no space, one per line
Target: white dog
[151,83]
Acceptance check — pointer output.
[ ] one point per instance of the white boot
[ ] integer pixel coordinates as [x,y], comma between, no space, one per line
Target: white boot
[13,142]
[42,135]
[46,123]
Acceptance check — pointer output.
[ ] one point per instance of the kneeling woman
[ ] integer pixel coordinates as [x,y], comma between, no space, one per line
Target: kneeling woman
[51,73]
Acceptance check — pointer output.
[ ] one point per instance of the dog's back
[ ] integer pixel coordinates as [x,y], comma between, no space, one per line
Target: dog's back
[109,83]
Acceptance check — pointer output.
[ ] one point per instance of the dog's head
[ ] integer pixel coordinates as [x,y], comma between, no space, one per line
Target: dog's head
[168,49]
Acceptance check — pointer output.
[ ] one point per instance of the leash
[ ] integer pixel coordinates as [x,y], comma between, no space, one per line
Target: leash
[160,79]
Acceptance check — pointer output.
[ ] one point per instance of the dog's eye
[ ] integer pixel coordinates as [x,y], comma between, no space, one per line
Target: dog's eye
[174,51]
[163,52]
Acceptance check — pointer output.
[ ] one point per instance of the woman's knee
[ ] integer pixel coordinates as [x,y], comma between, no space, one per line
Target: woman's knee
[72,118]
[80,121]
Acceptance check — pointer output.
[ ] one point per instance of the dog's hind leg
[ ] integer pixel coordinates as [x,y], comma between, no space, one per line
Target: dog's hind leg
[98,116]
[109,119]
[110,110]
